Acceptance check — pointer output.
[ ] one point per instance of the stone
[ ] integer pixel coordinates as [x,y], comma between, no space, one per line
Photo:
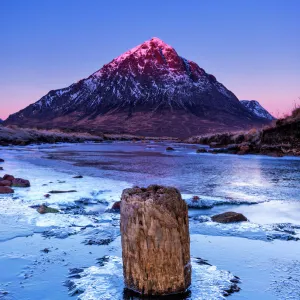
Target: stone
[195,199]
[8,177]
[44,209]
[229,217]
[170,149]
[244,149]
[78,176]
[47,195]
[155,240]
[5,183]
[201,150]
[6,190]
[219,150]
[116,206]
[214,145]
[61,192]
[1,168]
[1,160]
[19,182]
[233,147]
[46,250]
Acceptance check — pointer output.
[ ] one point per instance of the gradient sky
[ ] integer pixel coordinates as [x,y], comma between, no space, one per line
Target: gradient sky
[252,47]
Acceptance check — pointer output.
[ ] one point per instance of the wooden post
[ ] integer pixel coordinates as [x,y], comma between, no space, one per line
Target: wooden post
[155,240]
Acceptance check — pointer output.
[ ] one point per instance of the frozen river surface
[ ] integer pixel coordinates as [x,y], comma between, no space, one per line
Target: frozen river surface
[77,252]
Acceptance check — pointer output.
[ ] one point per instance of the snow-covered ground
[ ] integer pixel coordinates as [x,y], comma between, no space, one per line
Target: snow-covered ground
[77,252]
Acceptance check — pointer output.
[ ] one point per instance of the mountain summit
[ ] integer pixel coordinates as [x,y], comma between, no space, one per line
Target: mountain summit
[148,90]
[255,107]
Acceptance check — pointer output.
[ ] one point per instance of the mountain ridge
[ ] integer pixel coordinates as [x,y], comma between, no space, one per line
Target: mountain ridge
[256,108]
[148,90]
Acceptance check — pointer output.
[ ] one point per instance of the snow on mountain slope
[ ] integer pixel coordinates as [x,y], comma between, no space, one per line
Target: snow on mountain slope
[254,107]
[137,87]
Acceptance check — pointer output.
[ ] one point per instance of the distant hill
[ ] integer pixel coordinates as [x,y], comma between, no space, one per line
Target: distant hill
[149,90]
[255,107]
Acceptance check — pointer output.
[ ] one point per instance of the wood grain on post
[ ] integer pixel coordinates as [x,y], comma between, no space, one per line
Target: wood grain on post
[155,240]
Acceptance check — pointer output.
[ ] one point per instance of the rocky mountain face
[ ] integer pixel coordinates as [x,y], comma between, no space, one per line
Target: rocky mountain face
[255,107]
[149,90]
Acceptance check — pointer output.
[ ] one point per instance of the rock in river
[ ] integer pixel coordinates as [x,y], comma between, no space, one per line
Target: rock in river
[155,240]
[44,209]
[170,149]
[229,217]
[6,190]
[201,150]
[5,183]
[8,177]
[116,206]
[19,182]
[62,192]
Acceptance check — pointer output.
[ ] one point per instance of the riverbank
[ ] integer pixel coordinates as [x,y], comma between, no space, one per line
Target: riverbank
[13,135]
[280,139]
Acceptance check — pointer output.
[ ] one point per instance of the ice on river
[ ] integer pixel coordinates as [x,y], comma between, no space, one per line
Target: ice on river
[265,190]
[18,211]
[105,282]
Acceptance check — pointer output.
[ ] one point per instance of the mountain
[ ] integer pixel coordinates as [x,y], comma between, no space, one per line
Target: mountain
[149,90]
[254,107]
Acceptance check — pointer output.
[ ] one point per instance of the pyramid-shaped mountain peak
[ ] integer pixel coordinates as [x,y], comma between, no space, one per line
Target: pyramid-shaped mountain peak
[148,90]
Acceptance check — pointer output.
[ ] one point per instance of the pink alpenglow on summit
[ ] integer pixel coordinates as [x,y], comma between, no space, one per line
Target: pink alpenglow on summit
[149,90]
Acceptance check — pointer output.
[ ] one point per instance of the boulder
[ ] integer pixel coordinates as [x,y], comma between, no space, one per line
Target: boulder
[155,240]
[244,149]
[229,217]
[272,150]
[5,183]
[8,177]
[19,182]
[234,147]
[170,149]
[201,150]
[44,209]
[116,206]
[1,160]
[219,150]
[195,199]
[62,192]
[6,190]
[1,168]
[78,176]
[214,145]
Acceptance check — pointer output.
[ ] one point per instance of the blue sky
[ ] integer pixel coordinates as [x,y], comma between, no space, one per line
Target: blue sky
[252,47]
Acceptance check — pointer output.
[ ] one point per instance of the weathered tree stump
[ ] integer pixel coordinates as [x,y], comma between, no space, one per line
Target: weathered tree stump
[155,240]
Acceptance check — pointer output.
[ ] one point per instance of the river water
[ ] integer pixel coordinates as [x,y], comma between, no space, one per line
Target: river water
[77,253]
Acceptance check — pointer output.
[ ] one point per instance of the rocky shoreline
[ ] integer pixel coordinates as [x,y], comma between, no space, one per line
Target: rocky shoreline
[16,136]
[13,135]
[7,182]
[279,140]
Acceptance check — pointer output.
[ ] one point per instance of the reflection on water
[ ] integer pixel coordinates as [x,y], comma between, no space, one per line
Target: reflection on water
[227,176]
